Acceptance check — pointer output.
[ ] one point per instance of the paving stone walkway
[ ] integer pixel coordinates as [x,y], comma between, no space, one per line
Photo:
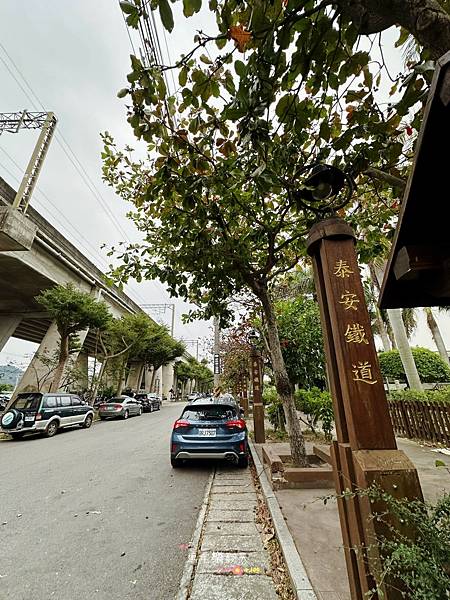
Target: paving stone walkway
[232,562]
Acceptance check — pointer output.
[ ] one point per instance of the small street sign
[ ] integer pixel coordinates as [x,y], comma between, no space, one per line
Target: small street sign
[217,369]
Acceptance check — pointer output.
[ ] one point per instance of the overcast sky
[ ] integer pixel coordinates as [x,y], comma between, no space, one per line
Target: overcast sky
[75,57]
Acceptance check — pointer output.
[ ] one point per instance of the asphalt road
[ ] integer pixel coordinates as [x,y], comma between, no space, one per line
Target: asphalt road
[97,514]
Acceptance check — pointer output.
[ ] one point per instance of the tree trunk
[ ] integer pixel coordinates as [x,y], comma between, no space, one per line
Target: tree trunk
[437,337]
[282,383]
[99,380]
[62,360]
[383,332]
[380,323]
[120,382]
[409,366]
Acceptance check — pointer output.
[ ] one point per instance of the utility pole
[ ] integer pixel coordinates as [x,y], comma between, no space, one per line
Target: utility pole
[17,232]
[217,368]
[13,123]
[159,309]
[193,342]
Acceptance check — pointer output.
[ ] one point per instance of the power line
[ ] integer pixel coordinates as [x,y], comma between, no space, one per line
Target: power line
[75,160]
[55,207]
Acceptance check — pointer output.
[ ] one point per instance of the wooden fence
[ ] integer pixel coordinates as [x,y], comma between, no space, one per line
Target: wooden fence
[423,420]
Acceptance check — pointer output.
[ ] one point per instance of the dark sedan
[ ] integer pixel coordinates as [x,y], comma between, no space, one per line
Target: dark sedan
[209,431]
[149,402]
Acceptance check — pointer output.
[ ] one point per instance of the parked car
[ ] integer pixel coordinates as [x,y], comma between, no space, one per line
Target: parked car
[120,406]
[150,402]
[34,412]
[193,396]
[225,399]
[209,430]
[4,402]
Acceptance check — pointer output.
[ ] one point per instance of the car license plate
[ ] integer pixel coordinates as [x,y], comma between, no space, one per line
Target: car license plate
[27,419]
[208,432]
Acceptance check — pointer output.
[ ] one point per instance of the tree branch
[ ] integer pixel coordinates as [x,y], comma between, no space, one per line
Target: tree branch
[393,180]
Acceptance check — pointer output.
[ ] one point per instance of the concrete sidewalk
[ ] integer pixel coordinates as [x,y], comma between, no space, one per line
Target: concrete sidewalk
[315,526]
[231,562]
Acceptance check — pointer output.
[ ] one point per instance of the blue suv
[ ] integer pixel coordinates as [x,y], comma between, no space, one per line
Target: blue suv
[210,430]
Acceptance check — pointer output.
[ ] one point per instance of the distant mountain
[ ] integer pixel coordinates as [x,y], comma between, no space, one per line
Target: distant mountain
[10,374]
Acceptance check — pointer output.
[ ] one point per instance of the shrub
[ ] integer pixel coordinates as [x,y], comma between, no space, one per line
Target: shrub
[420,566]
[317,407]
[428,395]
[274,408]
[430,366]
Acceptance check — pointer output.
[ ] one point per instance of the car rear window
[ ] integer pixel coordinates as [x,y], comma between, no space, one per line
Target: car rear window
[30,401]
[115,400]
[209,413]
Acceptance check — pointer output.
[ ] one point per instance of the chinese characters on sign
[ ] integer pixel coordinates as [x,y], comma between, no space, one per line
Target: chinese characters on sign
[342,269]
[363,372]
[355,332]
[349,301]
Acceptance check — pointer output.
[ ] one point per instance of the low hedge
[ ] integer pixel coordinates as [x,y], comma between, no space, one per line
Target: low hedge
[442,395]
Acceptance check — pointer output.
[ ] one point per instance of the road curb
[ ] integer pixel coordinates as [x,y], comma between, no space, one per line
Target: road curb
[301,584]
[191,561]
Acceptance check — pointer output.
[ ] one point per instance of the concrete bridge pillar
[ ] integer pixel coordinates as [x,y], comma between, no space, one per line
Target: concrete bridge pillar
[134,377]
[82,376]
[167,379]
[39,373]
[147,378]
[8,326]
[157,381]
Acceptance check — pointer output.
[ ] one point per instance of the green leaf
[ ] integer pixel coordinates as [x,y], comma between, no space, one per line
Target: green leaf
[127,7]
[440,463]
[182,77]
[122,93]
[165,12]
[240,68]
[191,6]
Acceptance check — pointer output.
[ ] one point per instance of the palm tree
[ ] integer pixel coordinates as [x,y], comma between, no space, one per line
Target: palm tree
[436,334]
[400,333]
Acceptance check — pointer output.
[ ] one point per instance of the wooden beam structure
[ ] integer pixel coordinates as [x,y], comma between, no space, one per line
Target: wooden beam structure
[418,271]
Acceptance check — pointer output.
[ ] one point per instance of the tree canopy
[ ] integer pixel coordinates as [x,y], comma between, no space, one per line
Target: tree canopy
[283,85]
[72,310]
[301,340]
[430,366]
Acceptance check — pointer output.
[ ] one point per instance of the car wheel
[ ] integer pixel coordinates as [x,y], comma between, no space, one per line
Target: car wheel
[140,412]
[16,436]
[87,422]
[243,462]
[125,416]
[150,408]
[176,463]
[52,428]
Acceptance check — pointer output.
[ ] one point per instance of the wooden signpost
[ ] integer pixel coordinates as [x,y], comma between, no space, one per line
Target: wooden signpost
[258,407]
[365,452]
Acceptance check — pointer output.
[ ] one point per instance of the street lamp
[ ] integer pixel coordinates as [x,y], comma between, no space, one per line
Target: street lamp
[320,193]
[258,407]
